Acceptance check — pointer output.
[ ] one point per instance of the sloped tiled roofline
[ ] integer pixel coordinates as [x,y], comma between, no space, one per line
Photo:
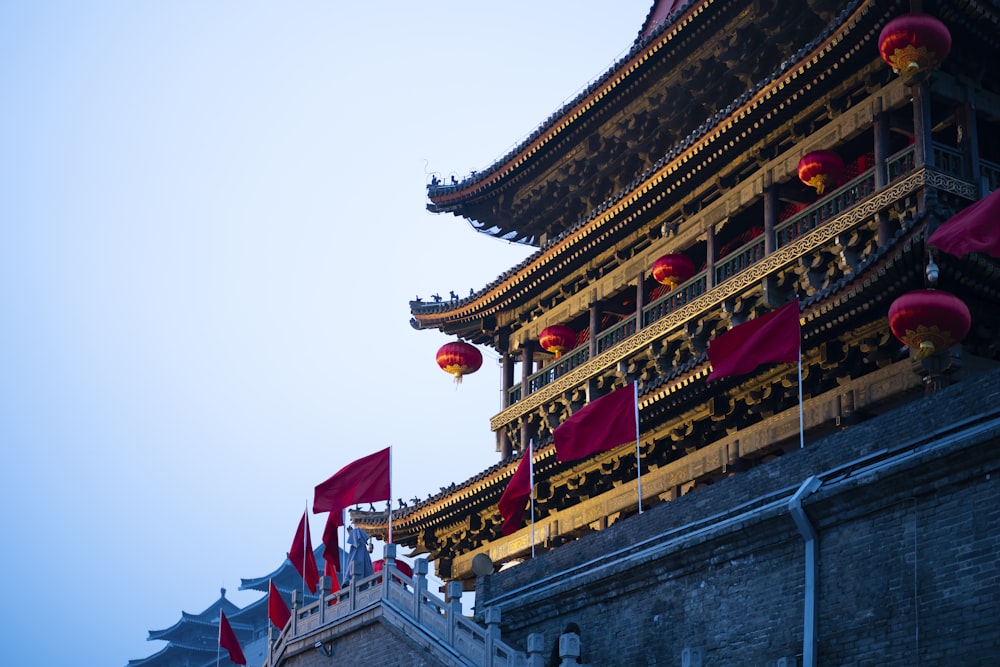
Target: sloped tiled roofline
[603,221]
[444,197]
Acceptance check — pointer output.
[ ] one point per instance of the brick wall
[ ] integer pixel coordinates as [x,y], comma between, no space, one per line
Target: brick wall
[908,544]
[376,644]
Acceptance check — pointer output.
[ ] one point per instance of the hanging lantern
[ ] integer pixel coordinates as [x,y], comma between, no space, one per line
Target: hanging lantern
[557,339]
[929,320]
[821,170]
[914,44]
[459,358]
[672,270]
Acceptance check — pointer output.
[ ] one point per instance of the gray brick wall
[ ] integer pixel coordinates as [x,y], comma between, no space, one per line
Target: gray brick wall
[377,644]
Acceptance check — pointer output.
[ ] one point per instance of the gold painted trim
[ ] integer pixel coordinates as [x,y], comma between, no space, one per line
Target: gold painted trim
[714,297]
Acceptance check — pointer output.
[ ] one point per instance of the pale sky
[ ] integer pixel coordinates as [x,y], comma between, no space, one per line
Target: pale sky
[212,219]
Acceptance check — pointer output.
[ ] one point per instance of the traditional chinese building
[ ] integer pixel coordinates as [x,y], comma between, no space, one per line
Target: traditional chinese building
[742,154]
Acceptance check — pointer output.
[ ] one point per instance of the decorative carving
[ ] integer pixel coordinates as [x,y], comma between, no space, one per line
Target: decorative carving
[770,266]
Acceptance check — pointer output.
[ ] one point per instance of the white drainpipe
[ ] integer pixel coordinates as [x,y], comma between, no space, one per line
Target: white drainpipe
[812,563]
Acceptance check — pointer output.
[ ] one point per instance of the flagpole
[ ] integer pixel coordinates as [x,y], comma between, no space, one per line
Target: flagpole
[343,534]
[802,434]
[218,649]
[269,627]
[638,454]
[305,548]
[390,494]
[531,494]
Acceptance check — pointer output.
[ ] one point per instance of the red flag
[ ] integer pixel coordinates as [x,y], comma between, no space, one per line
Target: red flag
[301,555]
[379,565]
[363,481]
[974,229]
[331,550]
[771,338]
[517,493]
[228,641]
[277,610]
[600,425]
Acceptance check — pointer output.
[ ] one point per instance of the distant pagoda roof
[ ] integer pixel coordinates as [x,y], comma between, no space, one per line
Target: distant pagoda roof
[285,577]
[189,624]
[194,638]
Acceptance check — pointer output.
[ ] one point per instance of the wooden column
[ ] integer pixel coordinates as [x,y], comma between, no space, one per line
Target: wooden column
[527,368]
[640,298]
[506,449]
[881,139]
[770,213]
[595,323]
[923,154]
[968,139]
[710,257]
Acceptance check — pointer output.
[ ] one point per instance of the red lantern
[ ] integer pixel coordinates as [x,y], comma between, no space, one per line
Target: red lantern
[557,339]
[672,270]
[929,320]
[821,170]
[459,358]
[914,43]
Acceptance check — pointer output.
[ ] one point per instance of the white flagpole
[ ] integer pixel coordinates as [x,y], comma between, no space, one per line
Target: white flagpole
[305,541]
[638,454]
[531,495]
[218,649]
[343,534]
[269,631]
[802,434]
[390,494]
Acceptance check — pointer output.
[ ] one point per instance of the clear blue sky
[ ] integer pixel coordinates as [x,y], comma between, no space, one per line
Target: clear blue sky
[211,222]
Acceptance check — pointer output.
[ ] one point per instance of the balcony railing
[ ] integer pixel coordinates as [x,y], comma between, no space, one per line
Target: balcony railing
[991,174]
[409,598]
[566,363]
[615,334]
[852,193]
[948,160]
[739,259]
[900,164]
[827,208]
[674,299]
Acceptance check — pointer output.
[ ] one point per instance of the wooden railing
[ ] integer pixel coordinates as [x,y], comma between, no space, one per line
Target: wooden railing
[674,299]
[615,334]
[991,175]
[846,196]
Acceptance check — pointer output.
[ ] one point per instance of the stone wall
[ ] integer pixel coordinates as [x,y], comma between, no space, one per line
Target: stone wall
[909,528]
[373,644]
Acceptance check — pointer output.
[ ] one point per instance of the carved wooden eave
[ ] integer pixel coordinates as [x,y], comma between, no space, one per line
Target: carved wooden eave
[687,69]
[721,141]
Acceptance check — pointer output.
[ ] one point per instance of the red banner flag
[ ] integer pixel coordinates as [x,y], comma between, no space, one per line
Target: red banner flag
[228,641]
[277,610]
[771,338]
[517,493]
[331,550]
[301,555]
[974,229]
[363,481]
[600,425]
